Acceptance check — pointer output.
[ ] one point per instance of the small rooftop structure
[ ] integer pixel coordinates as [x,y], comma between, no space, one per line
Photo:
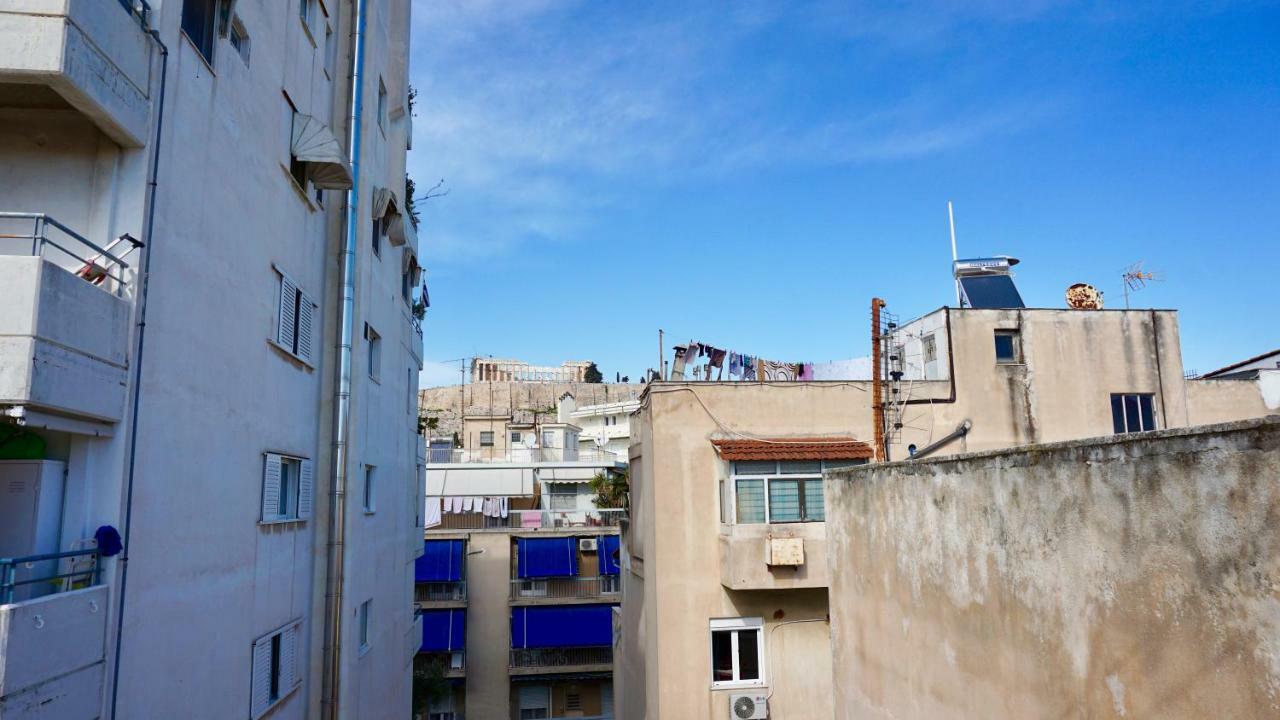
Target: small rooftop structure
[987,283]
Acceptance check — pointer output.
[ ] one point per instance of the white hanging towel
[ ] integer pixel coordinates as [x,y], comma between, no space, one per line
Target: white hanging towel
[502,506]
[467,503]
[431,517]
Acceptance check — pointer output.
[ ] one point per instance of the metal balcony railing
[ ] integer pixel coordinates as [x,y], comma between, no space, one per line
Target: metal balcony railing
[49,572]
[522,455]
[565,587]
[35,233]
[440,591]
[451,664]
[560,657]
[532,520]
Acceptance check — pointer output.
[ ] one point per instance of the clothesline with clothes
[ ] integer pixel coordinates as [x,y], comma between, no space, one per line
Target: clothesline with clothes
[732,365]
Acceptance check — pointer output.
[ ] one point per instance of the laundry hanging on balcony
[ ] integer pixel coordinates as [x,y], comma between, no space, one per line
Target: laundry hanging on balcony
[547,557]
[441,561]
[313,143]
[444,630]
[609,549]
[562,626]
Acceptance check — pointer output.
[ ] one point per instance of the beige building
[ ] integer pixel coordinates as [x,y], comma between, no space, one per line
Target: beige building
[725,580]
[497,370]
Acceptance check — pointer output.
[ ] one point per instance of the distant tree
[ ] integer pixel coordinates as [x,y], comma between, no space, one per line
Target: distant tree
[593,375]
[611,489]
[429,684]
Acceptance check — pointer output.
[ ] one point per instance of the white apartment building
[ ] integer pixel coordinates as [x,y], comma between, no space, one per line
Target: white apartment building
[606,426]
[207,347]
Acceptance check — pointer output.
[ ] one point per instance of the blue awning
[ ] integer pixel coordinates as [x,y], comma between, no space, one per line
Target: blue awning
[441,561]
[609,549]
[547,557]
[562,626]
[444,630]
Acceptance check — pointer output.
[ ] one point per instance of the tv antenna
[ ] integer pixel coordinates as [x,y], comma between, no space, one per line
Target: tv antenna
[1135,279]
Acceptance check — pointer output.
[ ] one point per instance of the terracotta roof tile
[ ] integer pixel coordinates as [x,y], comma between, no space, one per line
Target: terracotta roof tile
[814,448]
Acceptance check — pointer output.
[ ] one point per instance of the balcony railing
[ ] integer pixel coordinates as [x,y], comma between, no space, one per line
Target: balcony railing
[565,587]
[560,657]
[48,573]
[440,591]
[451,664]
[522,455]
[532,520]
[140,9]
[37,234]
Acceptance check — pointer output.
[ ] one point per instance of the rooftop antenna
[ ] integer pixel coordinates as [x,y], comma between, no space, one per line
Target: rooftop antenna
[1135,279]
[951,216]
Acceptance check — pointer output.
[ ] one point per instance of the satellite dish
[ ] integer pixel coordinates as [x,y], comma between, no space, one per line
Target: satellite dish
[529,440]
[600,441]
[1083,296]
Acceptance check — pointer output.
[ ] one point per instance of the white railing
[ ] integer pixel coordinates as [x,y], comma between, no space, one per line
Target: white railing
[440,591]
[531,520]
[521,455]
[565,587]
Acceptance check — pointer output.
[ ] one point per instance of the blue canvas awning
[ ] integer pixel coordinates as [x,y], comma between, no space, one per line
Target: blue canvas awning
[441,561]
[562,626]
[609,549]
[444,630]
[547,557]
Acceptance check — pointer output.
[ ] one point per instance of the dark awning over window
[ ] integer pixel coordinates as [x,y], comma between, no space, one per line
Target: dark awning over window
[444,630]
[547,557]
[441,561]
[562,626]
[609,549]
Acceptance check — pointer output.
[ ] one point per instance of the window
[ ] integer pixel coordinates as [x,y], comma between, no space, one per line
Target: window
[1133,412]
[486,438]
[374,342]
[777,492]
[275,671]
[304,12]
[750,507]
[1008,346]
[929,348]
[295,319]
[240,40]
[382,106]
[515,436]
[737,652]
[379,229]
[364,626]
[330,50]
[573,702]
[534,701]
[370,480]
[548,439]
[297,168]
[724,502]
[287,486]
[198,17]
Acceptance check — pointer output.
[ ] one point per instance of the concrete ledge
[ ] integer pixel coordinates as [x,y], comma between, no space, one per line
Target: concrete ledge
[744,548]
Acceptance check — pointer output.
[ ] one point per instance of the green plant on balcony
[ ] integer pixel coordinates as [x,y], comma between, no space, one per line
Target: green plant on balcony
[611,489]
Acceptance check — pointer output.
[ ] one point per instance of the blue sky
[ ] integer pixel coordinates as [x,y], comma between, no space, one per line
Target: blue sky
[750,174]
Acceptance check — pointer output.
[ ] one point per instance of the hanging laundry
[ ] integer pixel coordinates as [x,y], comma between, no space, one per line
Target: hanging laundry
[735,365]
[717,357]
[749,367]
[779,372]
[431,517]
[855,369]
[806,372]
[467,504]
[503,506]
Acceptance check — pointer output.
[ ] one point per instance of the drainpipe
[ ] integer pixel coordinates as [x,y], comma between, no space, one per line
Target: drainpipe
[332,678]
[961,430]
[143,280]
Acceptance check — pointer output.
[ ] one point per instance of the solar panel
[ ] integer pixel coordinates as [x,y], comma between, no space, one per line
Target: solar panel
[991,291]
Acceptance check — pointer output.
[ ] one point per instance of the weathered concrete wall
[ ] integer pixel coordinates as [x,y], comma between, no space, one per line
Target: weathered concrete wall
[448,403]
[1214,401]
[1123,577]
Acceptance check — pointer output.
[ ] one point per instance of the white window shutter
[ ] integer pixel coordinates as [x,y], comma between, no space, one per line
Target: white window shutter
[260,693]
[288,311]
[271,487]
[289,659]
[306,316]
[306,483]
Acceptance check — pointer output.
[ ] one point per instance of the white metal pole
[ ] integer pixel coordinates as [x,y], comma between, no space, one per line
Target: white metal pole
[951,217]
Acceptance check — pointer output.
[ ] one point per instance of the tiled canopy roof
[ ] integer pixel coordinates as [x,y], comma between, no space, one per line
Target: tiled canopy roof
[828,448]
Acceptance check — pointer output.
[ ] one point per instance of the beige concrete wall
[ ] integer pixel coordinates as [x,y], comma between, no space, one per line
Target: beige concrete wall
[448,403]
[1215,401]
[1125,577]
[488,625]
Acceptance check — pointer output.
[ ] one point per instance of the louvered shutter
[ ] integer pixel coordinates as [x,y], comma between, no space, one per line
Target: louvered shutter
[306,484]
[289,659]
[306,315]
[260,692]
[271,487]
[288,312]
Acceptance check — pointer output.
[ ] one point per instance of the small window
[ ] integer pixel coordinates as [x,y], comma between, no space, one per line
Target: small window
[1134,412]
[379,229]
[239,38]
[304,12]
[295,319]
[750,507]
[364,626]
[374,342]
[370,487]
[297,168]
[548,439]
[198,18]
[737,652]
[382,106]
[724,502]
[275,672]
[486,438]
[287,486]
[330,50]
[929,348]
[515,437]
[1008,346]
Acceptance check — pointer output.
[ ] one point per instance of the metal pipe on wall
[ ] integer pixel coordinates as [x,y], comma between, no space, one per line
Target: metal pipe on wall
[332,674]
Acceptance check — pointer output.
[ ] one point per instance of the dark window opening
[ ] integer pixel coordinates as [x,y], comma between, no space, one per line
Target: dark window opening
[275,667]
[198,17]
[1131,413]
[1008,346]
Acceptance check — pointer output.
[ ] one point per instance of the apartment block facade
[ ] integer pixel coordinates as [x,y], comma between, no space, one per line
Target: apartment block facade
[184,324]
[725,553]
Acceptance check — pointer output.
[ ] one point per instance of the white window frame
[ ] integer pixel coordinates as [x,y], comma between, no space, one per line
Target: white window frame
[301,501]
[374,356]
[297,319]
[734,625]
[729,493]
[290,666]
[1015,336]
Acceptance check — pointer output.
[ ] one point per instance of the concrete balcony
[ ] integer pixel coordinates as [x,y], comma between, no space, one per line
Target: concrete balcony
[565,590]
[774,556]
[441,594]
[92,54]
[538,661]
[52,656]
[63,345]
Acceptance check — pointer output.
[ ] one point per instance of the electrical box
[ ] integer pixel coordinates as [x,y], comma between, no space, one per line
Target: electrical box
[31,519]
[785,551]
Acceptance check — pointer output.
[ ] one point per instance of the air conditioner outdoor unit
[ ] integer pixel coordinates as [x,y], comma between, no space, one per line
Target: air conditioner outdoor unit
[455,661]
[752,706]
[587,545]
